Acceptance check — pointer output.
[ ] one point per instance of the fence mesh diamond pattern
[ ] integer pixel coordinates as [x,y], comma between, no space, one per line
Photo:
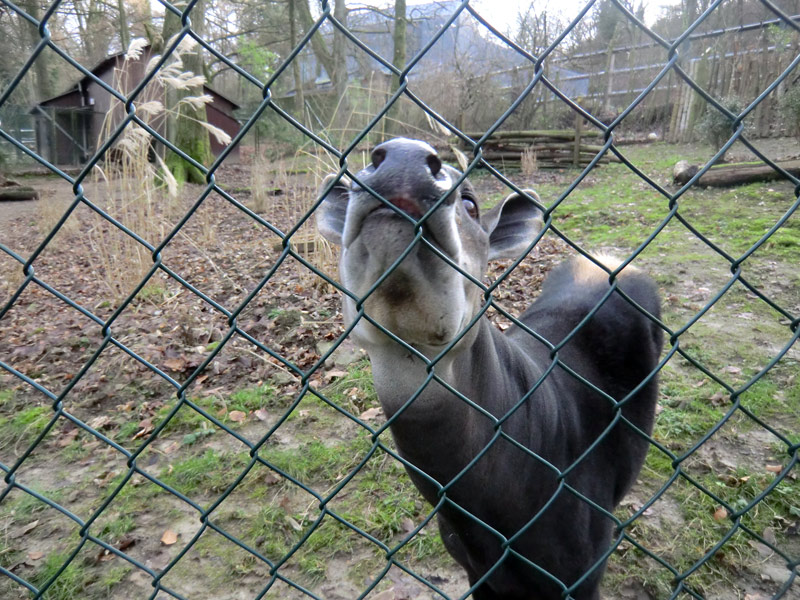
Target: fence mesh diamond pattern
[217,522]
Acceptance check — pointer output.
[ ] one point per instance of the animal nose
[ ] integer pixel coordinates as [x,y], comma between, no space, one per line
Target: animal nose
[407,173]
[408,156]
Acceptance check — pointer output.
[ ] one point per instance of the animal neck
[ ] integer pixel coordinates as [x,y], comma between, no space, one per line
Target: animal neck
[492,371]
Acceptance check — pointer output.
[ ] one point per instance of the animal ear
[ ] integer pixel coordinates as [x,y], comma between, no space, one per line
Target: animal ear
[512,225]
[331,213]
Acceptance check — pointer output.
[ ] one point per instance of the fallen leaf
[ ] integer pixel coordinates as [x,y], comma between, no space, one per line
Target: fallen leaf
[169,537]
[35,555]
[105,556]
[145,427]
[720,514]
[237,416]
[126,542]
[294,524]
[170,447]
[335,374]
[271,478]
[261,414]
[175,364]
[26,529]
[407,525]
[732,370]
[99,422]
[371,414]
[769,536]
[718,399]
[67,438]
[774,468]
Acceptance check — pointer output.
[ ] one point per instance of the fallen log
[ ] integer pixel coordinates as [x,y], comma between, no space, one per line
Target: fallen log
[12,191]
[16,194]
[740,173]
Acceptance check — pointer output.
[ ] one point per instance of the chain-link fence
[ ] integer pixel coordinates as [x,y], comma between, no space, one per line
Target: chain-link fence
[719,489]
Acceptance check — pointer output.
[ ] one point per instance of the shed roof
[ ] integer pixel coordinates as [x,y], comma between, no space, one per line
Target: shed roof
[109,62]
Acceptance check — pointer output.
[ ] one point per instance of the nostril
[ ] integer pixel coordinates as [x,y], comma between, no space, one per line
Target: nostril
[378,156]
[434,164]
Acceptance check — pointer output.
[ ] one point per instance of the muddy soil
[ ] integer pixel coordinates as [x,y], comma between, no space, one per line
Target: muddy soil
[224,256]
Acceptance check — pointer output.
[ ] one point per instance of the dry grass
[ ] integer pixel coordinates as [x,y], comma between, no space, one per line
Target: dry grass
[48,213]
[276,198]
[529,164]
[140,190]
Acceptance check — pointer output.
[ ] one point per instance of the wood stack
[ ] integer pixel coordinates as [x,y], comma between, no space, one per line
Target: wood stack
[553,149]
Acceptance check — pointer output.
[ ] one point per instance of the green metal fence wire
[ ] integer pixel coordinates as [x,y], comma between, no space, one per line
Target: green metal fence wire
[256,457]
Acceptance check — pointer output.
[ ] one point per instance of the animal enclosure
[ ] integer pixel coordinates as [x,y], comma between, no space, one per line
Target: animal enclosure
[204,428]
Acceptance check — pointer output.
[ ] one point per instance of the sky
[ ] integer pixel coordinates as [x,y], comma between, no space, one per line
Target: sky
[502,13]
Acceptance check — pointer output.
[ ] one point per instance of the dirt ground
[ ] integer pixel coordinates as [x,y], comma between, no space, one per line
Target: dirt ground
[249,385]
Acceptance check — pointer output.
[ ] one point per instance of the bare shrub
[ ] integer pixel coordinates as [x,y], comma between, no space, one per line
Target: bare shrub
[140,191]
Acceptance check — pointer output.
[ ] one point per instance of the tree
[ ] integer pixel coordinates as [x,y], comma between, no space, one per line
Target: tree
[398,60]
[43,84]
[333,61]
[124,31]
[299,97]
[186,130]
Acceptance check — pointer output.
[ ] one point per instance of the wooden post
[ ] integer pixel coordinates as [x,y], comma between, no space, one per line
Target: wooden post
[576,150]
[609,79]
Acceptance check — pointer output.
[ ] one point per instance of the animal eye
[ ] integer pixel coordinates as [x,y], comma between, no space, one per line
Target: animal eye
[470,205]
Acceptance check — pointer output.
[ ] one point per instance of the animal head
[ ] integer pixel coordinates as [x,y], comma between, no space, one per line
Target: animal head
[425,300]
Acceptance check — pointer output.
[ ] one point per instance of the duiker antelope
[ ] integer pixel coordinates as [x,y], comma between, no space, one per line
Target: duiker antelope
[545,423]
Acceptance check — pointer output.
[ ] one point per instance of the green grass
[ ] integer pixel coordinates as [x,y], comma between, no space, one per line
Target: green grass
[697,526]
[19,426]
[315,460]
[612,211]
[6,396]
[354,392]
[69,585]
[251,399]
[207,473]
[31,420]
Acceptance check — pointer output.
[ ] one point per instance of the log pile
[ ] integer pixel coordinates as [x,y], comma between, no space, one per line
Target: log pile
[552,149]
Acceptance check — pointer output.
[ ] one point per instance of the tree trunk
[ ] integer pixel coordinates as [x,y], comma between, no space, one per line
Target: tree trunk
[124,32]
[399,62]
[185,131]
[299,97]
[334,62]
[42,83]
[342,115]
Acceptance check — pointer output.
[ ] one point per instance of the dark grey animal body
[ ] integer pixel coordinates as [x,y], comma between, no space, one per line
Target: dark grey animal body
[515,485]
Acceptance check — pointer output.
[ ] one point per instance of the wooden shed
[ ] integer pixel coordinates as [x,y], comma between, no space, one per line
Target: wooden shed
[69,125]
